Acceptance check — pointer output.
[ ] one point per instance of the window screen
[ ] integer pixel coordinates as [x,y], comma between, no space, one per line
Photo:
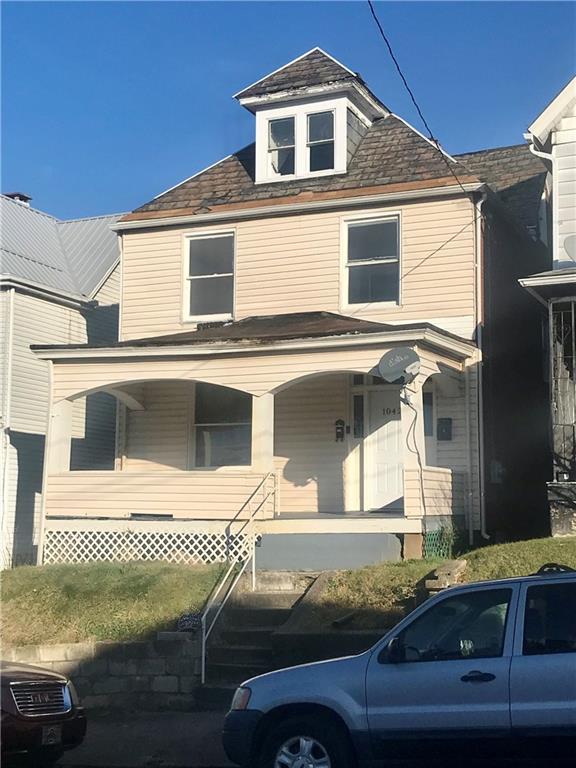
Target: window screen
[373,262]
[222,427]
[211,275]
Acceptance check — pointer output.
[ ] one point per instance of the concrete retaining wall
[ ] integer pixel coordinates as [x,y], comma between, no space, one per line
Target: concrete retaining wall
[153,675]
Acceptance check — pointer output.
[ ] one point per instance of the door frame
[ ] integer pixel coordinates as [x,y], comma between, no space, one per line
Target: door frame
[363,390]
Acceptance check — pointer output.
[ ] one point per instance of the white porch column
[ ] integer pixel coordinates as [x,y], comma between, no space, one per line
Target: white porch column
[263,433]
[59,437]
[412,418]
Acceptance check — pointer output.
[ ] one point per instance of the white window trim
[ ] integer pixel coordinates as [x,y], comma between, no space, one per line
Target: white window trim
[187,280]
[369,218]
[300,112]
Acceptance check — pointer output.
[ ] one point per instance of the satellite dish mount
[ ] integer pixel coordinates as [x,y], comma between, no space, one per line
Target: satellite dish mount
[399,366]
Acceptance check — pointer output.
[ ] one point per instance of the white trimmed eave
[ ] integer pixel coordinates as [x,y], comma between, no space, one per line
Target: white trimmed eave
[460,350]
[281,210]
[546,121]
[543,280]
[44,292]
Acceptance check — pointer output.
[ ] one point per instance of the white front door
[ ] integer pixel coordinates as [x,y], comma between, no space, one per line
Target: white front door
[383,478]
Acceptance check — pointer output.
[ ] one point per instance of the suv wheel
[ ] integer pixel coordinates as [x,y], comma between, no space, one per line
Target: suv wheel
[306,743]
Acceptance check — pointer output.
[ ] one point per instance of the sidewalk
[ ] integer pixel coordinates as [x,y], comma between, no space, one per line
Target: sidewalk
[151,740]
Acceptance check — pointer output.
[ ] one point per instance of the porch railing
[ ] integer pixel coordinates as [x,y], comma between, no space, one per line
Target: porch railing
[237,565]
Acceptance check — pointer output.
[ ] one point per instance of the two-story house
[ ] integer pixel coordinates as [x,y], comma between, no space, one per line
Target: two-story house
[259,297]
[552,137]
[59,283]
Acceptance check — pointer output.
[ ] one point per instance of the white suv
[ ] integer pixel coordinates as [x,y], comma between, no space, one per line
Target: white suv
[489,668]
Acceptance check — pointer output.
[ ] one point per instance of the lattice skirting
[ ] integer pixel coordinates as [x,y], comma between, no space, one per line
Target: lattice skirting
[181,546]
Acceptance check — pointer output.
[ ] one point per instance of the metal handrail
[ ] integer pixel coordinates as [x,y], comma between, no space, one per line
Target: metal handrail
[248,526]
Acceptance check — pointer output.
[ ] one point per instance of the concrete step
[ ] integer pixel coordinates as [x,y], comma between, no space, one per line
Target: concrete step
[241,654]
[278,581]
[247,635]
[280,599]
[232,673]
[240,618]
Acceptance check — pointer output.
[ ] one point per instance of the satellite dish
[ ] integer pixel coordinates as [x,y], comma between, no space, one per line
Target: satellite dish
[399,366]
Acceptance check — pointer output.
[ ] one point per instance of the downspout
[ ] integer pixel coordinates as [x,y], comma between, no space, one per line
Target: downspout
[6,560]
[46,464]
[479,250]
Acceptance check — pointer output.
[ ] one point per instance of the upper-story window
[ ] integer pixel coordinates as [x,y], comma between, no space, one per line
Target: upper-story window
[321,141]
[282,146]
[210,276]
[303,140]
[373,261]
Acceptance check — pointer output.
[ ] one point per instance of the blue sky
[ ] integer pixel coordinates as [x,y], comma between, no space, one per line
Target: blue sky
[107,104]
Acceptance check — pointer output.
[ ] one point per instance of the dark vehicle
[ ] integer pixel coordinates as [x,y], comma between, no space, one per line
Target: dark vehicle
[41,715]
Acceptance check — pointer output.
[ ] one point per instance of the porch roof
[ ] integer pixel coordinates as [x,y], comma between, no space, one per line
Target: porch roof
[269,329]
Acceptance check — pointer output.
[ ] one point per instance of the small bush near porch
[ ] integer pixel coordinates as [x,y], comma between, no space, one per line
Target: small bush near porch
[380,595]
[99,601]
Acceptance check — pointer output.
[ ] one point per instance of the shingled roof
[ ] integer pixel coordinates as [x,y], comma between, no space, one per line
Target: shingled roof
[515,174]
[391,153]
[313,68]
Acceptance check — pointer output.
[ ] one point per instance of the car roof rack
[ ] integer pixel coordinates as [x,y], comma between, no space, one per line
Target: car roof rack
[549,569]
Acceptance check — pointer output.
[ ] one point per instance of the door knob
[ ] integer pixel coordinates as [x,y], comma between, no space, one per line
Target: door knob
[478,677]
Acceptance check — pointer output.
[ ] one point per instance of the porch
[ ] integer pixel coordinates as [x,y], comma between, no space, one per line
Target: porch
[281,444]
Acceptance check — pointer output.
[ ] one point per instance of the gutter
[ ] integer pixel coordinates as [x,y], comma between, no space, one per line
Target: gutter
[307,207]
[37,289]
[479,248]
[5,559]
[458,349]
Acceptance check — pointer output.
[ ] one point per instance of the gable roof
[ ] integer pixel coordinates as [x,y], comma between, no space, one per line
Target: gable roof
[559,105]
[70,257]
[390,153]
[515,174]
[316,67]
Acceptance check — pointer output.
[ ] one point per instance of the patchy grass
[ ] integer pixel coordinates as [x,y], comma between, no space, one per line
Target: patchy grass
[380,595]
[519,558]
[99,601]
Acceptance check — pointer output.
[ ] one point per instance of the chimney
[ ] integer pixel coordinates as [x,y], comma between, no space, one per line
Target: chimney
[20,197]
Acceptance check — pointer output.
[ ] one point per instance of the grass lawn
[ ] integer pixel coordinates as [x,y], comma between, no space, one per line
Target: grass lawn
[382,594]
[99,601]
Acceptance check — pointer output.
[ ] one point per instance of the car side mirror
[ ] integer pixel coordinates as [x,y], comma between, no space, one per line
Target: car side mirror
[394,652]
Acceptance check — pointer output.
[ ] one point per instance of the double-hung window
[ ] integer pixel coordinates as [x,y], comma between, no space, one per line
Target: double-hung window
[282,146]
[320,141]
[221,429]
[373,261]
[210,277]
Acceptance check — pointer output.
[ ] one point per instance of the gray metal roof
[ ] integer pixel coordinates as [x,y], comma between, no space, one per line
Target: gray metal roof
[68,256]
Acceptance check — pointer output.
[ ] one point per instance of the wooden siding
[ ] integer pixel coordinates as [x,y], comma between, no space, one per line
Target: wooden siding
[293,263]
[309,462]
[157,437]
[443,492]
[256,374]
[564,184]
[184,495]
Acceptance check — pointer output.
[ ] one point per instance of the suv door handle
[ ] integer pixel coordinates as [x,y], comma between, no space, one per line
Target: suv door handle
[478,677]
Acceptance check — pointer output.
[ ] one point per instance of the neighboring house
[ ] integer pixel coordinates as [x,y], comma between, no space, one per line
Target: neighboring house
[59,283]
[258,297]
[552,137]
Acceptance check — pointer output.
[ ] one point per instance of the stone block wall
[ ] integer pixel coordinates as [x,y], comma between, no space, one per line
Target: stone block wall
[148,675]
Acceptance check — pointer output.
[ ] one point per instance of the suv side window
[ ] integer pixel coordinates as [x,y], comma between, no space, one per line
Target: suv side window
[467,626]
[550,619]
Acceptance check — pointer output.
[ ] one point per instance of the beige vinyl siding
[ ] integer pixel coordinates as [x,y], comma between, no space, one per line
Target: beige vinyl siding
[256,374]
[443,492]
[199,495]
[564,183]
[4,330]
[309,461]
[293,264]
[109,291]
[157,437]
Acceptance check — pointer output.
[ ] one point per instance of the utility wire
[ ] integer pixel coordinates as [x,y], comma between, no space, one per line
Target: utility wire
[431,136]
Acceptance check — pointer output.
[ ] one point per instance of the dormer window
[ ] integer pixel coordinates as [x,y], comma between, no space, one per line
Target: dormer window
[282,146]
[321,141]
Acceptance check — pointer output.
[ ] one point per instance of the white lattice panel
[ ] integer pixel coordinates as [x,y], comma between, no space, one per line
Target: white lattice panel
[195,546]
